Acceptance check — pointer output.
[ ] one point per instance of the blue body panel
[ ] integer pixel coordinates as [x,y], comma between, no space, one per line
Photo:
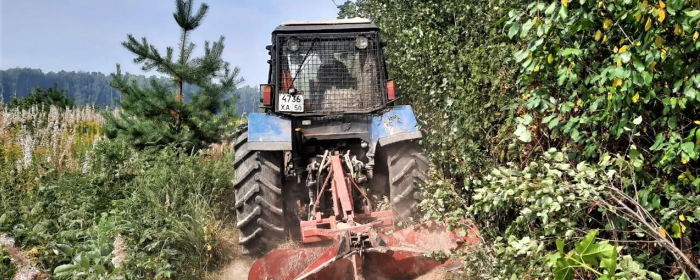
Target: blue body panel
[269,132]
[395,125]
[274,133]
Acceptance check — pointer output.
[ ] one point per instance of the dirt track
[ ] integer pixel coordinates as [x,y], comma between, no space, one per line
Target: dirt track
[236,270]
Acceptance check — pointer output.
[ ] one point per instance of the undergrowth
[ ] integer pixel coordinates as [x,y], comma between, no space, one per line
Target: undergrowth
[112,212]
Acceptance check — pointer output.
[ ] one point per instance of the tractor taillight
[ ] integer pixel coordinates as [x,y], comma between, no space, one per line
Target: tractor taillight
[391,90]
[267,95]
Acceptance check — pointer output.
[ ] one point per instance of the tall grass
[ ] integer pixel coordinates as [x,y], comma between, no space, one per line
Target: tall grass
[82,207]
[51,136]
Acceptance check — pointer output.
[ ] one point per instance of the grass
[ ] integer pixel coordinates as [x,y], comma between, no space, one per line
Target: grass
[81,207]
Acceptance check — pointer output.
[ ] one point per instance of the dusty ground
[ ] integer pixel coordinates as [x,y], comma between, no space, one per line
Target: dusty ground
[26,270]
[237,266]
[236,270]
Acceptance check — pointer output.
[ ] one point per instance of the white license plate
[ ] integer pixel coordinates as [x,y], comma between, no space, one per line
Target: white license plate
[290,103]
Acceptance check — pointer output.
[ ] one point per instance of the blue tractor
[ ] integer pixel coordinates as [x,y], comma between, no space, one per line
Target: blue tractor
[328,94]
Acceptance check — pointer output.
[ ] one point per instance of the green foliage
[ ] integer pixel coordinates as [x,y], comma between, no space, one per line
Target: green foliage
[618,77]
[154,115]
[165,206]
[347,10]
[453,66]
[43,98]
[587,254]
[7,270]
[499,84]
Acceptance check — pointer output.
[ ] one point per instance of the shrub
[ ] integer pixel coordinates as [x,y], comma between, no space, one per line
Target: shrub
[154,214]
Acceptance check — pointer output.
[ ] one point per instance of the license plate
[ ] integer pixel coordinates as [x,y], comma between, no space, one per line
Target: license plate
[290,103]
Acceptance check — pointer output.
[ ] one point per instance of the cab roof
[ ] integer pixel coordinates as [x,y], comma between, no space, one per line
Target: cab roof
[326,25]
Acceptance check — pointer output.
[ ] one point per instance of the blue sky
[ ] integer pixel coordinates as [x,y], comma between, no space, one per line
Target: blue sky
[86,35]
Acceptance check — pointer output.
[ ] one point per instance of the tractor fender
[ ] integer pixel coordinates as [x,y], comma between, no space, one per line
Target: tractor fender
[395,125]
[269,132]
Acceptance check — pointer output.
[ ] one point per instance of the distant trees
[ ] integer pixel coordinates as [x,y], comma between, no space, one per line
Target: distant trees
[43,98]
[248,100]
[158,113]
[83,87]
[93,87]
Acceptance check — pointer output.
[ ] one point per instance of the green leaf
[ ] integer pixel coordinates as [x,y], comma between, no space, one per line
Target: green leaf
[560,246]
[526,28]
[84,262]
[637,120]
[575,135]
[62,269]
[626,56]
[672,122]
[571,51]
[514,28]
[608,257]
[688,148]
[638,64]
[654,275]
[553,123]
[564,270]
[563,12]
[100,269]
[660,138]
[547,119]
[656,202]
[105,251]
[550,9]
[692,13]
[65,249]
[676,228]
[586,242]
[521,55]
[523,134]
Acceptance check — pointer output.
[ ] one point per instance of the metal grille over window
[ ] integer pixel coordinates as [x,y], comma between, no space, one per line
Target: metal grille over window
[334,74]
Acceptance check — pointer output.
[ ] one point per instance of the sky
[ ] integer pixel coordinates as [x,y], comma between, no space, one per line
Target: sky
[86,35]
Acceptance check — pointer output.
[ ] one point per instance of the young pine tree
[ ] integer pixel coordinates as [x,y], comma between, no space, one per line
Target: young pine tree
[158,113]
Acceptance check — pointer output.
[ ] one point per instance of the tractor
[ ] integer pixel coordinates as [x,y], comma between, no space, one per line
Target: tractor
[328,147]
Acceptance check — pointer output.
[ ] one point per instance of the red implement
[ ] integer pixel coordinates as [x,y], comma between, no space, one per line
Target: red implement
[359,251]
[400,255]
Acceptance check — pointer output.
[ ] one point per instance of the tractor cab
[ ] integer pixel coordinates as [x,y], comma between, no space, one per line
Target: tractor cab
[326,67]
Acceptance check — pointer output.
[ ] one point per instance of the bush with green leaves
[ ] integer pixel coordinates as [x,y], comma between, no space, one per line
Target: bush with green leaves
[503,81]
[619,77]
[164,206]
[527,215]
[453,65]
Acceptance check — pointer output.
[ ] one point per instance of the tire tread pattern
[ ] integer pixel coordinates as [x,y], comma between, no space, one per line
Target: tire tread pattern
[259,203]
[407,165]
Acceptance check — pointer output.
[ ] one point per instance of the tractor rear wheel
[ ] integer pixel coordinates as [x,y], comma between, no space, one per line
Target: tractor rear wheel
[259,202]
[407,165]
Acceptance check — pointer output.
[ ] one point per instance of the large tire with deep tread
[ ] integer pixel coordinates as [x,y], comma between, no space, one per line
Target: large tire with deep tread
[407,166]
[258,194]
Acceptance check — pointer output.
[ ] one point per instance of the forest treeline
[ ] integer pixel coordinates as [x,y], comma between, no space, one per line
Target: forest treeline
[94,88]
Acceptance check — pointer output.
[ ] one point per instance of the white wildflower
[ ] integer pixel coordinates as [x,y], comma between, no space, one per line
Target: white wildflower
[27,145]
[119,252]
